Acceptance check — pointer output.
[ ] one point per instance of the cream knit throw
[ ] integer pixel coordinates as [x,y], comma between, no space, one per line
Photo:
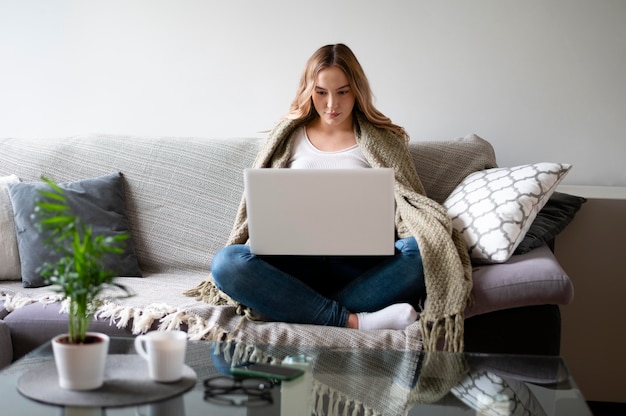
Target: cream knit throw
[446,262]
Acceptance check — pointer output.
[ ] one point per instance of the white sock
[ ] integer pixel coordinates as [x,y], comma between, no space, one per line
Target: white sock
[397,316]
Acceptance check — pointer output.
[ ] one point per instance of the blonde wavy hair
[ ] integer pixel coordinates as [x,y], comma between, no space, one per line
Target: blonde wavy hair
[341,56]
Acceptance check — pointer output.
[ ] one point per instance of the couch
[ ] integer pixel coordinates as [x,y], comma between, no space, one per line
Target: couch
[178,202]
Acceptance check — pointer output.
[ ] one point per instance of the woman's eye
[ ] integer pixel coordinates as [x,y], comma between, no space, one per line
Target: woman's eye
[321,92]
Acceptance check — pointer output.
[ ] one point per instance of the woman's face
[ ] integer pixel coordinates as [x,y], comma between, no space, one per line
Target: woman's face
[332,97]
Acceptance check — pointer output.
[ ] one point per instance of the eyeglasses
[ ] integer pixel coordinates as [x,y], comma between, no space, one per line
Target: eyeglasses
[239,392]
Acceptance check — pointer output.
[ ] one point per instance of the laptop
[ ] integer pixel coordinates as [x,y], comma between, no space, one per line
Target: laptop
[321,212]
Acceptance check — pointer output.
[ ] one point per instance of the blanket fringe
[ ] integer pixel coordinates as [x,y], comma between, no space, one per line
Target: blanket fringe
[199,329]
[237,352]
[207,292]
[449,327]
[331,402]
[16,301]
[142,319]
[169,318]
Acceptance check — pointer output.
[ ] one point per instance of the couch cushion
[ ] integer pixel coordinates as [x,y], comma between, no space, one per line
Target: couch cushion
[9,256]
[534,278]
[442,165]
[493,209]
[99,202]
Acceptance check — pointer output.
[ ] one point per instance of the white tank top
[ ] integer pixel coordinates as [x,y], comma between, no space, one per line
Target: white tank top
[306,156]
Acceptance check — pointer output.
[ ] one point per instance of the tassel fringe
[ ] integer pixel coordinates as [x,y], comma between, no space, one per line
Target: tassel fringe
[143,319]
[450,328]
[16,301]
[207,292]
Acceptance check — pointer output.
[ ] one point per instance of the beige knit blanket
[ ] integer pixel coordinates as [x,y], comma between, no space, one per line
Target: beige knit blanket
[447,266]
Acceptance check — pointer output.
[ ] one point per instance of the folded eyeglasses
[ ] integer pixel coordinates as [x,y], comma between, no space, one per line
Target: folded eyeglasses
[239,392]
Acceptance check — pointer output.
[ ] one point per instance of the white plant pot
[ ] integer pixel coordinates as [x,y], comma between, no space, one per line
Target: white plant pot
[81,366]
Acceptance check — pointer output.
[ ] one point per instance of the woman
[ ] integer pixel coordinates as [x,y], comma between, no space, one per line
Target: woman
[332,123]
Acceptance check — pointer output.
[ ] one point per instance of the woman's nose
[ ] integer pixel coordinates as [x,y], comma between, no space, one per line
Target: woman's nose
[330,102]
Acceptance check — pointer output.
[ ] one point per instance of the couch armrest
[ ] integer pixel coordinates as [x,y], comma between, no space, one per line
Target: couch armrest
[533,278]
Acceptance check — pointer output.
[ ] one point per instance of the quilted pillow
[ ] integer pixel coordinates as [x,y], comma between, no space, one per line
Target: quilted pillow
[494,208]
[98,201]
[9,257]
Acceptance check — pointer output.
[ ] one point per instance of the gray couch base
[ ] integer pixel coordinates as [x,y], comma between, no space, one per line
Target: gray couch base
[527,330]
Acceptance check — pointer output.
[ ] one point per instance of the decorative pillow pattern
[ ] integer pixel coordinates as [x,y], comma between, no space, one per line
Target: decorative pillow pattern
[494,208]
[9,256]
[492,395]
[98,201]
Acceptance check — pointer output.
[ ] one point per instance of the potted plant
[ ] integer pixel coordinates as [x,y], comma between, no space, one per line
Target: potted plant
[79,276]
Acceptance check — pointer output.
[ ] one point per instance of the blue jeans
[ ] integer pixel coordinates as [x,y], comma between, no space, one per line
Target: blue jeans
[321,290]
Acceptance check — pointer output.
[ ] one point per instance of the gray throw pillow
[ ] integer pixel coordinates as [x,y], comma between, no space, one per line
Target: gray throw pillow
[98,201]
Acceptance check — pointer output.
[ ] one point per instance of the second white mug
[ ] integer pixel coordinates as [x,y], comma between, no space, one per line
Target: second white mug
[165,353]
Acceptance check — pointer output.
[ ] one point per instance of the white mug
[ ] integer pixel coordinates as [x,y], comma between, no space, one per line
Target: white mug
[165,353]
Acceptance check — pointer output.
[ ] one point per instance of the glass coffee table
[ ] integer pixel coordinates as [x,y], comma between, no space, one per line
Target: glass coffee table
[339,381]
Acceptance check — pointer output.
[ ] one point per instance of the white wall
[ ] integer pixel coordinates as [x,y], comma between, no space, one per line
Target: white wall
[541,79]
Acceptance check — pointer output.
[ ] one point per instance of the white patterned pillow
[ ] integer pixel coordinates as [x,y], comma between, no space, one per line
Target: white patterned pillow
[492,395]
[494,208]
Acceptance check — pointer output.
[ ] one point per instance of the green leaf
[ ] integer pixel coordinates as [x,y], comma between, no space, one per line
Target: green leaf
[57,220]
[53,195]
